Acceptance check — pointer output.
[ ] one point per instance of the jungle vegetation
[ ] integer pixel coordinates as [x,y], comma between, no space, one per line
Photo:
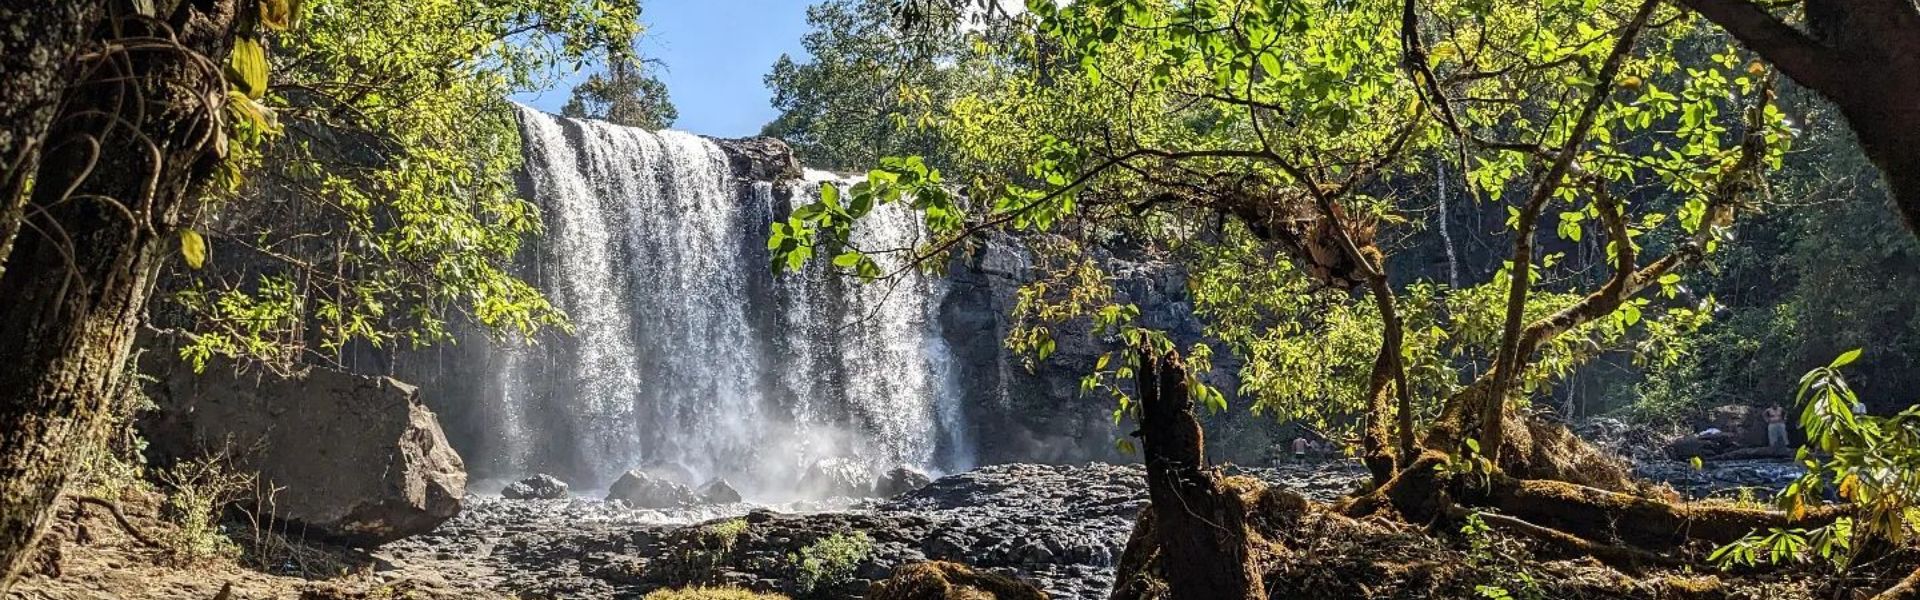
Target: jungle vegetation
[1294,156]
[1675,189]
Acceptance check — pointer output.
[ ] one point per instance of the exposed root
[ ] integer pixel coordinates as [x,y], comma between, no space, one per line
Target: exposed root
[1626,558]
[1648,523]
[119,517]
[1907,589]
[1622,529]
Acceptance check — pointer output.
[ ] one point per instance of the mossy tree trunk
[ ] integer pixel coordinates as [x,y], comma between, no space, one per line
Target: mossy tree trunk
[1205,542]
[134,139]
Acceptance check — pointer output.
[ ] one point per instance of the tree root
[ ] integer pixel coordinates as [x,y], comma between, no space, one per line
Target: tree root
[1907,589]
[1642,522]
[1605,522]
[1625,558]
[119,517]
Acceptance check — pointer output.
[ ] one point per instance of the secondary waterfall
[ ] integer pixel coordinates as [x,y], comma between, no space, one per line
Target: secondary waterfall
[689,356]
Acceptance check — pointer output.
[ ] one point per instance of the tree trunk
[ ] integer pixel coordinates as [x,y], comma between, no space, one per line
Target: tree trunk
[1862,56]
[1889,133]
[115,186]
[37,48]
[1206,548]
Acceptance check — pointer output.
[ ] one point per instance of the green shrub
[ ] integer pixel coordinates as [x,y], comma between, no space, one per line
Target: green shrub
[728,530]
[830,561]
[198,493]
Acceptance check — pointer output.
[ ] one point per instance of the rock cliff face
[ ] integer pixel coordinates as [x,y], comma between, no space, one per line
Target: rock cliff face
[353,459]
[1040,415]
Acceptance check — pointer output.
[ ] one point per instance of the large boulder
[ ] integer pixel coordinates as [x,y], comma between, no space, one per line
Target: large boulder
[831,477]
[1707,444]
[760,159]
[641,490]
[900,480]
[537,487]
[718,492]
[357,460]
[1746,425]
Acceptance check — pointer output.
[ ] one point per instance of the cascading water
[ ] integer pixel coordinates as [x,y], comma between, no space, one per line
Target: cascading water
[689,357]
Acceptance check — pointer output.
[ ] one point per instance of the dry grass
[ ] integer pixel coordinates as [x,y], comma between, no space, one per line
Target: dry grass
[711,593]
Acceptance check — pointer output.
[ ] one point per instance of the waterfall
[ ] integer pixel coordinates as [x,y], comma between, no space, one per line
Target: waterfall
[689,357]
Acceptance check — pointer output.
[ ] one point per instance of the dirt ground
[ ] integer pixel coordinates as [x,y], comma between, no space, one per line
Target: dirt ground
[87,555]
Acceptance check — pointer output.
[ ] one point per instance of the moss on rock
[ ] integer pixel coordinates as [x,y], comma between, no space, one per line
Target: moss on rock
[941,580]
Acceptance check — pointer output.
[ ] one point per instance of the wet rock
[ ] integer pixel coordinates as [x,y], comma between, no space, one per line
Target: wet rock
[358,460]
[718,492]
[1705,445]
[1723,477]
[900,480]
[641,490]
[671,472]
[537,487]
[1746,425]
[1060,528]
[760,158]
[837,477]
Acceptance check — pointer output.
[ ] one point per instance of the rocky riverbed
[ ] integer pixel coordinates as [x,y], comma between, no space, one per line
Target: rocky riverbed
[1062,527]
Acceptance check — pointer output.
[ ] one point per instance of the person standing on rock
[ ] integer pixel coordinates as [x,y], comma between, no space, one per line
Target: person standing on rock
[1300,449]
[1776,427]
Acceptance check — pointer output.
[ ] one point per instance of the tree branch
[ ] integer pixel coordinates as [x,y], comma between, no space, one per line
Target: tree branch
[1796,53]
[1520,283]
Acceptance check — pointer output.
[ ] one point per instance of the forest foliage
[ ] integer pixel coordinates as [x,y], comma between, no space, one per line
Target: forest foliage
[1164,91]
[382,209]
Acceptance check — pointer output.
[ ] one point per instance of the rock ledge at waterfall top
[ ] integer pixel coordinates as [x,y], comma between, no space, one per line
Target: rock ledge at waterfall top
[760,158]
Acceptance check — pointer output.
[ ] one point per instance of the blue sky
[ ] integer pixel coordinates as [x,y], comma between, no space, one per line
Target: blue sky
[715,53]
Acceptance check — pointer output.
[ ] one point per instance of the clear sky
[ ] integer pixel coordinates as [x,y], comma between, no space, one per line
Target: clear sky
[714,54]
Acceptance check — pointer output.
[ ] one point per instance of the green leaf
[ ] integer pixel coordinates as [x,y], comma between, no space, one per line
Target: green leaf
[847,260]
[247,70]
[279,15]
[193,248]
[1846,358]
[830,195]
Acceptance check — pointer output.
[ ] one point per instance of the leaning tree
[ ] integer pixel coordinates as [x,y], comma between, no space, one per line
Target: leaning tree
[114,180]
[362,164]
[1278,147]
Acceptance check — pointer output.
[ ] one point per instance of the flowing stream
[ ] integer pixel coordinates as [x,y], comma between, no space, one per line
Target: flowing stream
[690,358]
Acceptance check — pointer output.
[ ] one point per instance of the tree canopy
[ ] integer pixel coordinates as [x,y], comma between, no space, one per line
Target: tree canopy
[387,206]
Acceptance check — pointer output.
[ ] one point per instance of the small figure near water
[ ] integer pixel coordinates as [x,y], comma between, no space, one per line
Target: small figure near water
[1776,427]
[1300,449]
